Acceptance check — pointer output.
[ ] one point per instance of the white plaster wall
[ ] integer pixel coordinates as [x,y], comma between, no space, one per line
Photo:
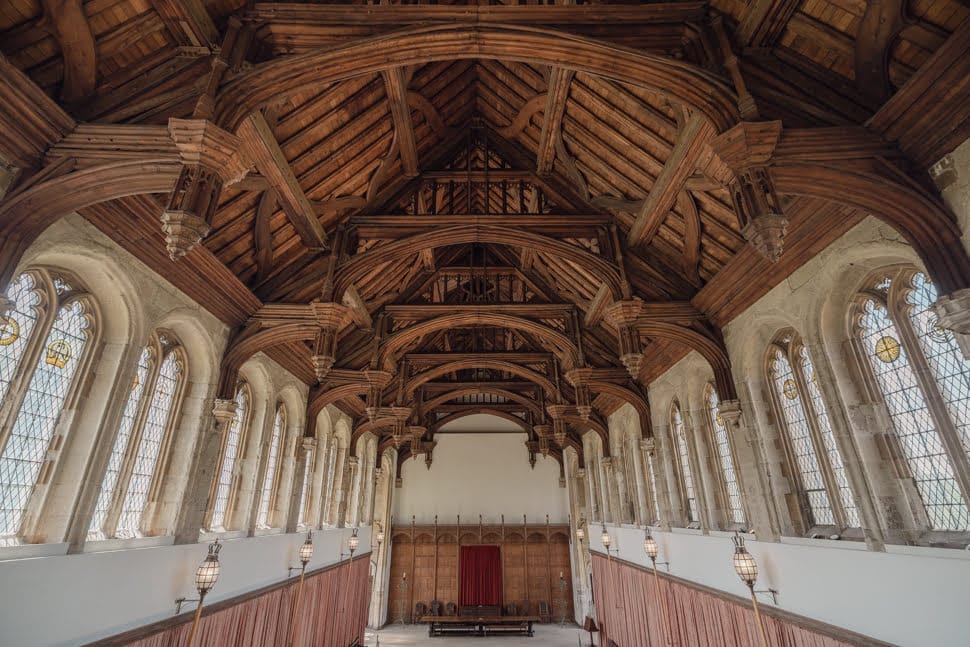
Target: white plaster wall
[74,599]
[914,597]
[480,474]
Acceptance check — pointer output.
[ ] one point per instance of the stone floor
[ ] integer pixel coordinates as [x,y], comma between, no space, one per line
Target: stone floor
[545,636]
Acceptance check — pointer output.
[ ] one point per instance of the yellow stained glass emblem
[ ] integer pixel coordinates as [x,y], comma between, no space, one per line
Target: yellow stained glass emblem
[887,349]
[790,389]
[9,331]
[58,352]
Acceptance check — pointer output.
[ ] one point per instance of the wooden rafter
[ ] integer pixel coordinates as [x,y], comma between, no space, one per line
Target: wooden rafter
[272,164]
[189,22]
[559,80]
[69,25]
[677,169]
[395,83]
[763,22]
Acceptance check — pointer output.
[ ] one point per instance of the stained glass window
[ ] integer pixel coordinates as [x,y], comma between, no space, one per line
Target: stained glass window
[272,466]
[16,327]
[149,447]
[831,450]
[120,450]
[50,379]
[799,433]
[677,423]
[725,457]
[220,502]
[905,388]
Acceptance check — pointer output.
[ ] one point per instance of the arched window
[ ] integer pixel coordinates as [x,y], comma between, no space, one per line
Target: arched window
[823,486]
[273,459]
[924,380]
[45,339]
[143,435]
[725,455]
[683,453]
[234,438]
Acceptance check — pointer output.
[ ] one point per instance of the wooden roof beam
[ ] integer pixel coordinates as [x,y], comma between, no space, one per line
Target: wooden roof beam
[69,25]
[395,83]
[189,22]
[763,21]
[677,169]
[559,80]
[272,164]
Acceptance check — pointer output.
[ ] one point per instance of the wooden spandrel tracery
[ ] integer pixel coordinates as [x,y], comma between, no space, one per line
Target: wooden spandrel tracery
[426,210]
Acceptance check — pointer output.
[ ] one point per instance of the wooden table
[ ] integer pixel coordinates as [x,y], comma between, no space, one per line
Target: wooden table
[479,625]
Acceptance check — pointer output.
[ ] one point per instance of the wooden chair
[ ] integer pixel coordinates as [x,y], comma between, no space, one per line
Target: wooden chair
[524,608]
[451,609]
[435,607]
[543,611]
[420,610]
[511,609]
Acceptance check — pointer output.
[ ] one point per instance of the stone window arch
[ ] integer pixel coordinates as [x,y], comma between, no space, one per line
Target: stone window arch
[226,480]
[725,454]
[47,342]
[916,368]
[141,444]
[271,476]
[823,494]
[685,474]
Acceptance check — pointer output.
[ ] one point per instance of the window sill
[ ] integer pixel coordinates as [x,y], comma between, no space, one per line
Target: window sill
[263,532]
[29,551]
[687,531]
[844,544]
[206,536]
[105,545]
[929,551]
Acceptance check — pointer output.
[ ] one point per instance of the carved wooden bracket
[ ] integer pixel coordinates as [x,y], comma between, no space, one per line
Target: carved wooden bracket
[623,316]
[579,378]
[377,381]
[331,317]
[558,412]
[211,157]
[747,149]
[544,433]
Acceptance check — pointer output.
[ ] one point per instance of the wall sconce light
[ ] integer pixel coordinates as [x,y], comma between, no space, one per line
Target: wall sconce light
[605,539]
[353,542]
[306,554]
[652,550]
[206,576]
[747,569]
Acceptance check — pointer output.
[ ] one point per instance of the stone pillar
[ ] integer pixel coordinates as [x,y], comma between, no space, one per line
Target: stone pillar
[952,177]
[351,496]
[666,459]
[304,450]
[657,499]
[193,512]
[587,476]
[336,493]
[611,490]
[642,514]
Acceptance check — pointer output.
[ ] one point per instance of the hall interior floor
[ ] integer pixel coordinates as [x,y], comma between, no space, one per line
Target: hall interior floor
[545,636]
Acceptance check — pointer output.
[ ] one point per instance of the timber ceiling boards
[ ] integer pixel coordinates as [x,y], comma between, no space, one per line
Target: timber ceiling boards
[490,176]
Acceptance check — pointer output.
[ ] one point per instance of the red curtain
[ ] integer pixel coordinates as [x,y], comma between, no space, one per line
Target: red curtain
[628,613]
[481,576]
[332,613]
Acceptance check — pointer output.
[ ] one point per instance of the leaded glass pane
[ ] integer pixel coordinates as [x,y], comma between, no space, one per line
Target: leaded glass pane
[30,437]
[149,446]
[678,424]
[724,455]
[120,449]
[950,370]
[828,440]
[223,484]
[796,423]
[920,441]
[271,464]
[16,327]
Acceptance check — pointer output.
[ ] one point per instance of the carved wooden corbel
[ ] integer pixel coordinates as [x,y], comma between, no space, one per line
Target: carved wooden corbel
[623,316]
[211,157]
[579,378]
[331,317]
[747,149]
